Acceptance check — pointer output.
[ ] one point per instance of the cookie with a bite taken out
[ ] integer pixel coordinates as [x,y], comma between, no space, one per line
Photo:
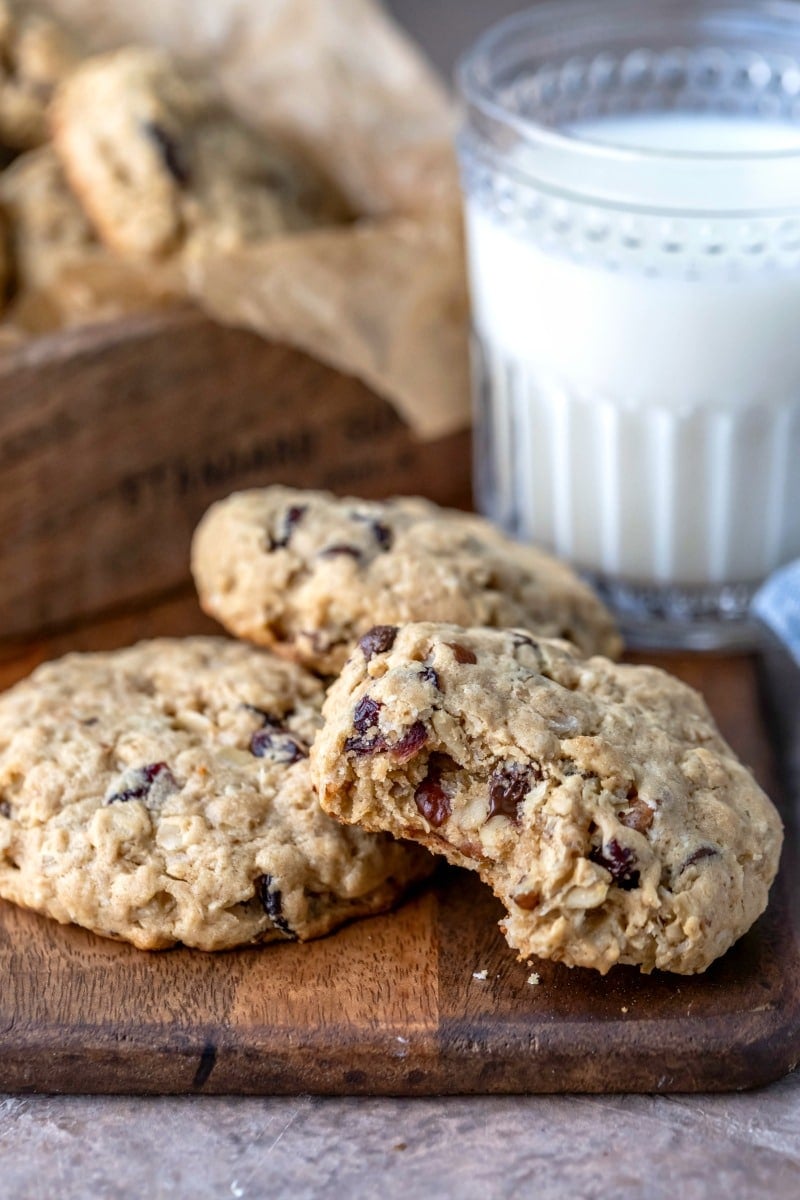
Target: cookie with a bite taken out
[598,800]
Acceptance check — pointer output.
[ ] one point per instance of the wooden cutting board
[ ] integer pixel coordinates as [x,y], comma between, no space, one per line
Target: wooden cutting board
[391,1005]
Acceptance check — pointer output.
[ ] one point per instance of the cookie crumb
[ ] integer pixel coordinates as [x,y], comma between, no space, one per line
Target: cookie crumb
[480,975]
[534,978]
[624,1008]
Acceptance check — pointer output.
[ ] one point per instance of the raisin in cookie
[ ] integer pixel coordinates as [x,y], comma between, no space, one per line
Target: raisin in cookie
[158,163]
[308,573]
[161,794]
[35,55]
[598,800]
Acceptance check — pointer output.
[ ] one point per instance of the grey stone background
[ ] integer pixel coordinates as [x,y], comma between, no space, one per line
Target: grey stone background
[580,1148]
[576,1147]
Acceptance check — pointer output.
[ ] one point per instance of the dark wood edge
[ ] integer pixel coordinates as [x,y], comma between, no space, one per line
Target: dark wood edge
[506,1062]
[62,344]
[19,644]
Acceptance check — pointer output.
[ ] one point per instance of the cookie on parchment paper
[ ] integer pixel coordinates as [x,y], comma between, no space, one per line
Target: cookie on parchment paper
[60,272]
[159,163]
[48,227]
[35,56]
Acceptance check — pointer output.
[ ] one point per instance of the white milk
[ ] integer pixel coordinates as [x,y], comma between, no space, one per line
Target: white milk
[645,420]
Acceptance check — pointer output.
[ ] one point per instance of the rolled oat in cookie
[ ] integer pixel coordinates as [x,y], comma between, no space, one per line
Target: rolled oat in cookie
[308,573]
[598,800]
[161,794]
[160,164]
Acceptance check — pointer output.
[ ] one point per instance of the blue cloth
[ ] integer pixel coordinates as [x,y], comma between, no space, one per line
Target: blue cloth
[777,603]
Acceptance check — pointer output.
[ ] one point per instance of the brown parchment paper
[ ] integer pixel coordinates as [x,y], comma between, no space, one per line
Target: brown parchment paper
[384,299]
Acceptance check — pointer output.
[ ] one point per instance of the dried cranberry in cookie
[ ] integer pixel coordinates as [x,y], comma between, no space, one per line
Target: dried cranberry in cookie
[377,640]
[597,800]
[152,782]
[432,794]
[271,899]
[509,784]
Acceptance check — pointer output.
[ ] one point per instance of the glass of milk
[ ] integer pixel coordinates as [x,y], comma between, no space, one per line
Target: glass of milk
[632,187]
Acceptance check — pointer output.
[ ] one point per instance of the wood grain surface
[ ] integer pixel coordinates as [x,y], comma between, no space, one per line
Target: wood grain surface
[115,438]
[390,1005]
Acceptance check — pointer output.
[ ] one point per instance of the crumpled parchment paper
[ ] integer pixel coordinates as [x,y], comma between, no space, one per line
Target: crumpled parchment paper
[384,298]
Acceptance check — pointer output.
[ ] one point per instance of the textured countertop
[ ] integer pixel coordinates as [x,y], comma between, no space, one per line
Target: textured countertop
[581,1147]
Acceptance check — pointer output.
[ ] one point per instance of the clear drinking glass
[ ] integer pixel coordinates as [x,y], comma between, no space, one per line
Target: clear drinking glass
[631,177]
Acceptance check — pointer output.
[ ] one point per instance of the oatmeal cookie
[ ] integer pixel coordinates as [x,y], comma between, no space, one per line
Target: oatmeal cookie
[598,800]
[48,228]
[308,573]
[35,55]
[62,274]
[158,163]
[161,794]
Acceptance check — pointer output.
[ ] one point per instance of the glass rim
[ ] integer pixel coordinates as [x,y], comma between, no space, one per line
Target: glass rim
[475,88]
